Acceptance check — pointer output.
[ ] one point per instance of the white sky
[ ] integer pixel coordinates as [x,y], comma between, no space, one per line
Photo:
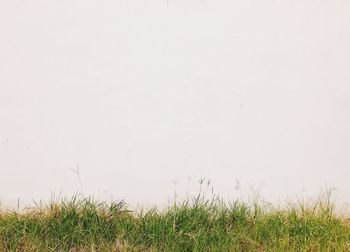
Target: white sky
[144,93]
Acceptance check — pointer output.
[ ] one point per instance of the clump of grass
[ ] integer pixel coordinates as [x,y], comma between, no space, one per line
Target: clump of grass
[198,224]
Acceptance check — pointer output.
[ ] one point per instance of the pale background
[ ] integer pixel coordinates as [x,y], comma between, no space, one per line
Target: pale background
[147,97]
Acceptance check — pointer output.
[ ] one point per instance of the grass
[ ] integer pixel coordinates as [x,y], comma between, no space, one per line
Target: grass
[198,224]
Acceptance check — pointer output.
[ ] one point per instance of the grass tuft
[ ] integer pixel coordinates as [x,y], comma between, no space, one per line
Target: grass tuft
[200,224]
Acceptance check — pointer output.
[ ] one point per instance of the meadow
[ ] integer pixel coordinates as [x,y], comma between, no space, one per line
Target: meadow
[195,224]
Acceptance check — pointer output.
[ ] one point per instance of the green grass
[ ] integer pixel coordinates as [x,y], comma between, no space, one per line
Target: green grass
[82,224]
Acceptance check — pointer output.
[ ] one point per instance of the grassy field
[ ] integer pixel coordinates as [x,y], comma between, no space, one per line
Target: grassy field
[197,224]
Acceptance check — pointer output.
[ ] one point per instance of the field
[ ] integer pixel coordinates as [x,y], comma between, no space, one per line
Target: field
[197,224]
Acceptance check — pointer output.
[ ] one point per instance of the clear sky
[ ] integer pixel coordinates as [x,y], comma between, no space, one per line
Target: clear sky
[147,97]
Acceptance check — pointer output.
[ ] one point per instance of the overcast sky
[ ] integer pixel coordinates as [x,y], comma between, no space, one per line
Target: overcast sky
[147,97]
